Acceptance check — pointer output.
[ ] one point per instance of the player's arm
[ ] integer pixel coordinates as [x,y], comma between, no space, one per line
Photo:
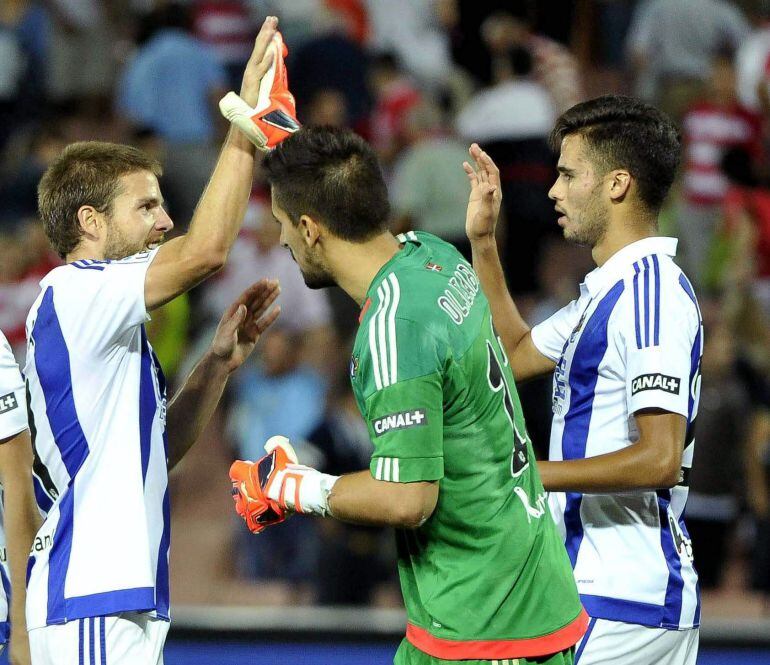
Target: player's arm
[183,262]
[360,499]
[22,521]
[481,219]
[653,462]
[236,335]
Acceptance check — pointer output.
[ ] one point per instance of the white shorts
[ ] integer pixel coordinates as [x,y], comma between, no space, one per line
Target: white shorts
[130,638]
[613,642]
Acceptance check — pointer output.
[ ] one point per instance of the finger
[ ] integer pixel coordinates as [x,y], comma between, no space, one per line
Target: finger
[259,298]
[491,168]
[256,292]
[263,39]
[261,307]
[471,174]
[229,326]
[267,320]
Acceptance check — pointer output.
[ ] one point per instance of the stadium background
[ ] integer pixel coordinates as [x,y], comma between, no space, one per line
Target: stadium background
[419,79]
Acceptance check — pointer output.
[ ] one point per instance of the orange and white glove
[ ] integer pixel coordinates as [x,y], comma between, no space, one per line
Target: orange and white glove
[267,491]
[275,115]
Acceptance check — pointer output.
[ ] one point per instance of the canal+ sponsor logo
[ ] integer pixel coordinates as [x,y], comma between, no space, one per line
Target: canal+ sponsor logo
[400,420]
[668,384]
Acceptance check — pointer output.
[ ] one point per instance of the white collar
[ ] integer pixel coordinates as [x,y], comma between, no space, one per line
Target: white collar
[614,267]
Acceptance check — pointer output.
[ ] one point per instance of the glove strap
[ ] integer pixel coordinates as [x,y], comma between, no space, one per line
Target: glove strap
[314,494]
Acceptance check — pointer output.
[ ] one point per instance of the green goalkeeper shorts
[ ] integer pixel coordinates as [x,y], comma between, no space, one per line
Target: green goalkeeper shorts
[408,654]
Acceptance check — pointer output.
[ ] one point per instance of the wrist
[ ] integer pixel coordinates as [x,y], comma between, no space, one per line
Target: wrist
[484,243]
[313,495]
[217,364]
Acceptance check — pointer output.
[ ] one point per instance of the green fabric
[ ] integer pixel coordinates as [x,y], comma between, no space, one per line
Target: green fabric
[438,396]
[408,654]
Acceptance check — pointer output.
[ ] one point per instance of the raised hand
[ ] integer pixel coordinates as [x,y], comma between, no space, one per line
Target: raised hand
[485,197]
[259,62]
[244,321]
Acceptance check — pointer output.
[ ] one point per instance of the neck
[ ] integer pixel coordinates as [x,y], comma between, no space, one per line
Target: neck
[620,233]
[84,252]
[356,264]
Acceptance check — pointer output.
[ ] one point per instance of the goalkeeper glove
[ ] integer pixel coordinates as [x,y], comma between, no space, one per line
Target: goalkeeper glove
[275,115]
[267,491]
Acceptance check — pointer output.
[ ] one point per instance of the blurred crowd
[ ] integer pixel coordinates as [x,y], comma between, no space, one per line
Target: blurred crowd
[419,79]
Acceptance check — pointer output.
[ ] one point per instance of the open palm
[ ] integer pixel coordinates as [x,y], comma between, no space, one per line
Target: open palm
[485,197]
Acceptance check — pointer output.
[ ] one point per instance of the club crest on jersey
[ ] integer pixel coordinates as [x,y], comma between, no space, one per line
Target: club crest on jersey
[435,267]
[353,366]
[668,384]
[400,420]
[578,327]
[8,403]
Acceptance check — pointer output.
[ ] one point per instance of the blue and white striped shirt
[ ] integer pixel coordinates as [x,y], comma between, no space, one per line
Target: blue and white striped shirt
[633,340]
[97,397]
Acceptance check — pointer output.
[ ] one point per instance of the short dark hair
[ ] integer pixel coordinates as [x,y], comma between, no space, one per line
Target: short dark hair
[331,174]
[85,173]
[623,132]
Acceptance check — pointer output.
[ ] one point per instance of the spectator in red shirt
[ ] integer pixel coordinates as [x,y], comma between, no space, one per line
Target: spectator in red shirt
[711,127]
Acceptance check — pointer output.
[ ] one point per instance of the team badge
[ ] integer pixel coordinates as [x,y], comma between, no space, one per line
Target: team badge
[353,366]
[433,266]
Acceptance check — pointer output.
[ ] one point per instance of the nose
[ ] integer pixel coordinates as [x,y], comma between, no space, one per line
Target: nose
[164,222]
[553,193]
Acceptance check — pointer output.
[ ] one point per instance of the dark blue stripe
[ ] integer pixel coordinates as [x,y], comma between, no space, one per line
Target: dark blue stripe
[92,640]
[696,620]
[162,597]
[573,525]
[583,375]
[102,640]
[584,641]
[44,502]
[81,641]
[79,267]
[5,625]
[139,599]
[673,604]
[148,404]
[656,270]
[52,363]
[59,559]
[617,609]
[646,302]
[636,307]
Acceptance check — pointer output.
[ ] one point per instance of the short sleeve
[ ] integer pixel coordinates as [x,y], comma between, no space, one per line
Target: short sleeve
[104,299]
[13,404]
[550,335]
[403,409]
[662,347]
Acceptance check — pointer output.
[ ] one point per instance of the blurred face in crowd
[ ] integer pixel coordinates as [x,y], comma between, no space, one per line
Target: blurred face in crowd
[302,241]
[137,220]
[723,83]
[579,194]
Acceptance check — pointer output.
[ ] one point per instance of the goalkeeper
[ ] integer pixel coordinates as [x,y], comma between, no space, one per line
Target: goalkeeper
[483,571]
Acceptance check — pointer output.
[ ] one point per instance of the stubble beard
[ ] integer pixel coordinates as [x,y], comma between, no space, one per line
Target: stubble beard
[592,224]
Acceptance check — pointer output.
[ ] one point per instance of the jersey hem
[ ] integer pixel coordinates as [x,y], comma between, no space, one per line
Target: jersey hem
[545,645]
[630,611]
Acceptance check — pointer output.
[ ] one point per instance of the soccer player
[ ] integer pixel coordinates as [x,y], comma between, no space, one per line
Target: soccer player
[626,361]
[98,587]
[483,573]
[19,517]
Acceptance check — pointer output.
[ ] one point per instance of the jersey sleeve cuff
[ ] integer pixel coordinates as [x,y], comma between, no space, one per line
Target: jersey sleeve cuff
[659,400]
[407,469]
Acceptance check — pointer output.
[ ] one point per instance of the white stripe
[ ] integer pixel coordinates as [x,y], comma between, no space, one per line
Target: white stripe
[392,328]
[411,235]
[395,470]
[378,473]
[386,475]
[373,346]
[384,294]
[401,237]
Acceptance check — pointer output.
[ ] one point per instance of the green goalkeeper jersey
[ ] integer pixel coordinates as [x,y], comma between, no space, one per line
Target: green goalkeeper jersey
[487,576]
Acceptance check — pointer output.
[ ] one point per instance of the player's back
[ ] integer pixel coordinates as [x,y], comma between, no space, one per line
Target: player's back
[97,415]
[439,398]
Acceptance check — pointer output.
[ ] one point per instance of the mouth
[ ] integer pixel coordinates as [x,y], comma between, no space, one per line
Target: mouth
[563,219]
[154,244]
